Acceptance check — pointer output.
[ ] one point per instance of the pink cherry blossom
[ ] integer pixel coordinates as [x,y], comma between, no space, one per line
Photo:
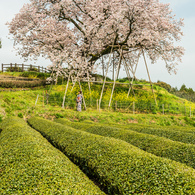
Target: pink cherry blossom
[78,33]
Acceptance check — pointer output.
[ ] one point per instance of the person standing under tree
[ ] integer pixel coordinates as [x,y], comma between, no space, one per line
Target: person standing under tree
[79,101]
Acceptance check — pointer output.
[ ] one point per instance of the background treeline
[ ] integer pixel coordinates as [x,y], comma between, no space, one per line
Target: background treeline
[183,92]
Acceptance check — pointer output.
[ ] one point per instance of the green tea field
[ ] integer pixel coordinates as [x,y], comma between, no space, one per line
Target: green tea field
[47,149]
[62,157]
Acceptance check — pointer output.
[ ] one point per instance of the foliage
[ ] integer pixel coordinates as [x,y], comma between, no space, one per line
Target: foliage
[32,69]
[164,85]
[14,69]
[120,167]
[185,136]
[23,100]
[35,75]
[143,99]
[183,92]
[35,166]
[30,75]
[20,115]
[21,84]
[181,152]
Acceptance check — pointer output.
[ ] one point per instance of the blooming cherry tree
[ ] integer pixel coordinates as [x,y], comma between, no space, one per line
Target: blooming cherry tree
[85,30]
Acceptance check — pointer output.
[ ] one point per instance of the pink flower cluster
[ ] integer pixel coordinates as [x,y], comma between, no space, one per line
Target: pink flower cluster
[77,33]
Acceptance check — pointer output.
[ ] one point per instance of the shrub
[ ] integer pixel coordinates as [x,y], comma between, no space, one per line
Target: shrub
[181,134]
[30,165]
[181,152]
[14,69]
[35,75]
[33,69]
[58,115]
[21,84]
[120,167]
[20,115]
[189,121]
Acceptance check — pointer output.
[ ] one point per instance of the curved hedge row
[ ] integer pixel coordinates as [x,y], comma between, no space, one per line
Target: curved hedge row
[185,135]
[181,152]
[31,165]
[187,129]
[175,135]
[120,167]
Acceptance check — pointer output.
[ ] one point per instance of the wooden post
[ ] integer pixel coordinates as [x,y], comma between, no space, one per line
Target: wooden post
[36,99]
[82,95]
[30,67]
[116,105]
[128,75]
[73,86]
[113,67]
[89,88]
[2,67]
[38,68]
[149,76]
[47,95]
[133,72]
[64,98]
[103,67]
[163,109]
[97,105]
[22,67]
[133,107]
[43,99]
[117,72]
[11,67]
[105,78]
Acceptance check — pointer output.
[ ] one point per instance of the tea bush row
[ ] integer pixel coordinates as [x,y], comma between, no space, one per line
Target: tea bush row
[181,152]
[15,83]
[29,164]
[118,166]
[181,134]
[174,134]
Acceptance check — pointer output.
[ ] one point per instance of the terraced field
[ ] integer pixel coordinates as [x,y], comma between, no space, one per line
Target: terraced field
[8,81]
[64,157]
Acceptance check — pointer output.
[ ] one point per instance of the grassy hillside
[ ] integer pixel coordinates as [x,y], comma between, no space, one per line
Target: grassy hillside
[120,150]
[21,102]
[143,98]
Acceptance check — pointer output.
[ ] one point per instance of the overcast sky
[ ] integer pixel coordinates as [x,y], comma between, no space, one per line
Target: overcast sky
[186,70]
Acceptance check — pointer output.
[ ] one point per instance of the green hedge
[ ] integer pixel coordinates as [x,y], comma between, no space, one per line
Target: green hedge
[31,165]
[187,129]
[185,135]
[181,152]
[18,83]
[118,166]
[175,135]
[181,129]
